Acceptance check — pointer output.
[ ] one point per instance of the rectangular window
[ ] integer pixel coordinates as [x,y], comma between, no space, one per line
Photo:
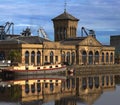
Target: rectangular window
[56,58]
[46,58]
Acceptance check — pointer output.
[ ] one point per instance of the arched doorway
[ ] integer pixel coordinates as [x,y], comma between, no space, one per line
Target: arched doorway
[90,57]
[84,57]
[96,57]
[38,58]
[51,57]
[26,57]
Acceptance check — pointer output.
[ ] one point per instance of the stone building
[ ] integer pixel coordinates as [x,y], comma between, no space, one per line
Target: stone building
[67,48]
[115,41]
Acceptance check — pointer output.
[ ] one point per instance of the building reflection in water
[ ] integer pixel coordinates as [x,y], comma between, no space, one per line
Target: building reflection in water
[63,90]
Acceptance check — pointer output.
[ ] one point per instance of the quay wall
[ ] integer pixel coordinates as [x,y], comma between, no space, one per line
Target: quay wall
[95,69]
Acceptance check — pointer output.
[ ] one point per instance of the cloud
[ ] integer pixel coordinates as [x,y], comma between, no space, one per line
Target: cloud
[100,15]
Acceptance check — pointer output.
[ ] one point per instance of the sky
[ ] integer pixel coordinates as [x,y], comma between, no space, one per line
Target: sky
[103,16]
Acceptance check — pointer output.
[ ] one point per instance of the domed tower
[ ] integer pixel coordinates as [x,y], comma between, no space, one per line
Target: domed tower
[65,26]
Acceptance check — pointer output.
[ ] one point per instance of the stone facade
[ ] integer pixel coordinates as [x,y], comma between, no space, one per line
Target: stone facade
[66,49]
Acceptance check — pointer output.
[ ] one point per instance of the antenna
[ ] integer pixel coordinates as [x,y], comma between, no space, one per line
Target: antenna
[65,5]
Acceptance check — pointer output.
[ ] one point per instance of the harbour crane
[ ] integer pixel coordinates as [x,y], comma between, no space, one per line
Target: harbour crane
[42,33]
[90,32]
[5,29]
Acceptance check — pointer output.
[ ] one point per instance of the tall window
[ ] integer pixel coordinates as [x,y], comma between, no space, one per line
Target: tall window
[56,58]
[111,57]
[73,57]
[26,57]
[38,58]
[102,57]
[107,56]
[63,57]
[68,57]
[90,57]
[84,57]
[32,57]
[97,57]
[51,57]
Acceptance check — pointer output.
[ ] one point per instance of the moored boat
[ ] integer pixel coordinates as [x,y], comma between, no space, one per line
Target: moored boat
[34,70]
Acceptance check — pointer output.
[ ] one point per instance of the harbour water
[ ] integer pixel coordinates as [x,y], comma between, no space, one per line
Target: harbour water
[102,89]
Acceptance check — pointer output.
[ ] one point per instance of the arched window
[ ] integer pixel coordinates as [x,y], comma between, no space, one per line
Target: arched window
[33,88]
[84,57]
[73,82]
[103,80]
[68,57]
[26,57]
[84,83]
[107,57]
[63,57]
[32,57]
[96,57]
[107,80]
[51,57]
[102,57]
[111,57]
[111,80]
[73,58]
[96,79]
[90,57]
[51,87]
[38,58]
[90,82]
[38,87]
[64,37]
[68,83]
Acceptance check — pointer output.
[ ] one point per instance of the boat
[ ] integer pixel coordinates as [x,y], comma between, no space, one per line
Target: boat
[34,70]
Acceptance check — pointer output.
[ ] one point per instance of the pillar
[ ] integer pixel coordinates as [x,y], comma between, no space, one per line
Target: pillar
[35,63]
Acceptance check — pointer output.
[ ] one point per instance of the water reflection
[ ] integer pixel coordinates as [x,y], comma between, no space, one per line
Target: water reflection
[63,90]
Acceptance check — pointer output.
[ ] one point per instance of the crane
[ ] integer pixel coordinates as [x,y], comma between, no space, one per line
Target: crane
[4,29]
[90,32]
[41,32]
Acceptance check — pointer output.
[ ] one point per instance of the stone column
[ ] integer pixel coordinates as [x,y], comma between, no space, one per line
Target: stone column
[35,63]
[105,58]
[93,57]
[109,58]
[80,58]
[42,56]
[100,57]
[113,57]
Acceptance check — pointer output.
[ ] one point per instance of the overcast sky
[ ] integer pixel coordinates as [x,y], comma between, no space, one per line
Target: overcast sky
[103,16]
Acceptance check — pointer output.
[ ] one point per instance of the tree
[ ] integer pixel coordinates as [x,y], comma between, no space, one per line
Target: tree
[14,56]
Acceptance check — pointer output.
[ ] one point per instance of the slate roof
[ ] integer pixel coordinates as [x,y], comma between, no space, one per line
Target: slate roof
[72,41]
[32,39]
[65,16]
[24,40]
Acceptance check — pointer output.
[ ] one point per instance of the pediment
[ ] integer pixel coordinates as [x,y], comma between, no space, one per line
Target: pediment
[90,41]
